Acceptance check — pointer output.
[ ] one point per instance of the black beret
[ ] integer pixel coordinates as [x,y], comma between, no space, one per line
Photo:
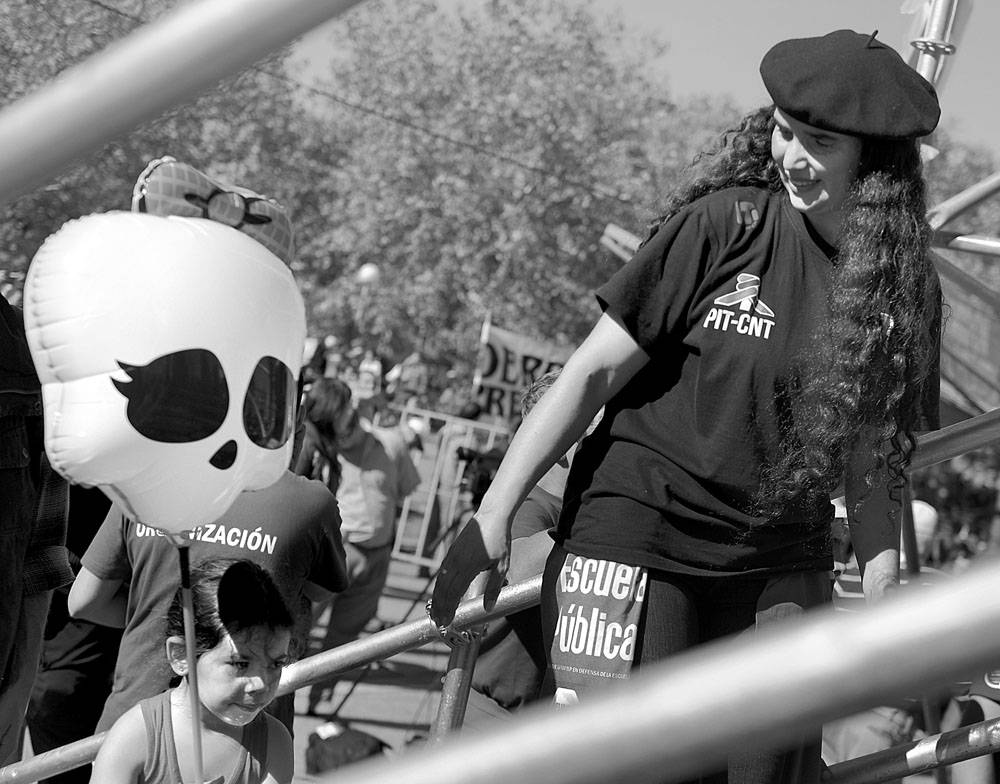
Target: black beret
[850,83]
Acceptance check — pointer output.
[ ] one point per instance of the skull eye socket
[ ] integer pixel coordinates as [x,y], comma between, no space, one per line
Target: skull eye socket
[177,398]
[269,405]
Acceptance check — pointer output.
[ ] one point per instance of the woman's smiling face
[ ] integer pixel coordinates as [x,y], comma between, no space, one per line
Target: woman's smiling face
[817,168]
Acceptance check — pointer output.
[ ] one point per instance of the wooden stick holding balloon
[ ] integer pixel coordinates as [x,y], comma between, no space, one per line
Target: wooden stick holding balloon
[183,546]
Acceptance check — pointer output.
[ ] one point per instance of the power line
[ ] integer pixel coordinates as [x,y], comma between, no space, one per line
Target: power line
[596,190]
[118,11]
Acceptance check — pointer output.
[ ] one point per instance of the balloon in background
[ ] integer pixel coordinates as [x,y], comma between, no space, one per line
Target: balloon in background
[368,273]
[168,349]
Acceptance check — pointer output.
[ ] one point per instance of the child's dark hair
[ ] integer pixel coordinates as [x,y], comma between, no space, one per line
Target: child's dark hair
[535,391]
[325,402]
[229,595]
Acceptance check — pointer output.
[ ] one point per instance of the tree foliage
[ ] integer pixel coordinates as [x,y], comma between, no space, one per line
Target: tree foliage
[473,151]
[957,167]
[218,132]
[493,144]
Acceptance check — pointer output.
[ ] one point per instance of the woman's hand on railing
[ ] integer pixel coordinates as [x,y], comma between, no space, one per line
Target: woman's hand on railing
[477,548]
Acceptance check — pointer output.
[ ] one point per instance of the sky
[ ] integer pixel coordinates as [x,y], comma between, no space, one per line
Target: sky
[715,48]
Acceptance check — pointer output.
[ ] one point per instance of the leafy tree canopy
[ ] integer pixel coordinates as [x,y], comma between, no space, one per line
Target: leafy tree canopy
[493,143]
[474,152]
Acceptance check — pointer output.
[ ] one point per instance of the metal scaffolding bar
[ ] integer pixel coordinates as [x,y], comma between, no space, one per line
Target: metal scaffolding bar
[308,671]
[927,754]
[957,439]
[677,720]
[458,677]
[952,207]
[971,243]
[931,449]
[934,45]
[160,65]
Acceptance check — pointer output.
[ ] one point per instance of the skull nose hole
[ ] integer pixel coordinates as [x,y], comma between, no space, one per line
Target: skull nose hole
[225,456]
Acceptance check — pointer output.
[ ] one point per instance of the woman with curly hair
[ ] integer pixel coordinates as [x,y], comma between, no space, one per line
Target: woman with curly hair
[773,341]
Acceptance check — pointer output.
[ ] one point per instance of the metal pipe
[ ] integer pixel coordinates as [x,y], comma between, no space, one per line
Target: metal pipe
[51,763]
[957,439]
[932,448]
[934,45]
[403,637]
[455,689]
[909,535]
[930,753]
[679,719]
[971,243]
[458,677]
[133,80]
[952,207]
[338,660]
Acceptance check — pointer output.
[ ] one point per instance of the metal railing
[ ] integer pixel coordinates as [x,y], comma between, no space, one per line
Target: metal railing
[670,722]
[137,78]
[437,503]
[931,448]
[679,719]
[923,755]
[313,669]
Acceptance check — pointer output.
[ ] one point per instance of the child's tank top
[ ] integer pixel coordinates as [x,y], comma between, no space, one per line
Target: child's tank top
[161,753]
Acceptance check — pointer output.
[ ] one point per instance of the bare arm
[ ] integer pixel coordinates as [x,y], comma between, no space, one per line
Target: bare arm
[98,600]
[280,758]
[528,555]
[874,527]
[606,361]
[123,753]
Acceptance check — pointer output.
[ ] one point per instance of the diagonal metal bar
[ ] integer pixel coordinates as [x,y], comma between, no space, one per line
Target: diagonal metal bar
[679,719]
[375,647]
[957,439]
[158,66]
[930,753]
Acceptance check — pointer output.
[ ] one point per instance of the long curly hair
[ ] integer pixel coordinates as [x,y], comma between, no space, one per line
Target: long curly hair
[859,383]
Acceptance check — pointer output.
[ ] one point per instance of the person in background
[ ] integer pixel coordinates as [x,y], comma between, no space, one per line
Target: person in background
[316,457]
[774,338]
[448,503]
[376,474]
[33,514]
[78,657]
[883,726]
[130,572]
[243,632]
[510,668]
[980,703]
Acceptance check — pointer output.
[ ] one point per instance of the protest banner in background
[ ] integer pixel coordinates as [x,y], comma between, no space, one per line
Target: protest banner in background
[507,364]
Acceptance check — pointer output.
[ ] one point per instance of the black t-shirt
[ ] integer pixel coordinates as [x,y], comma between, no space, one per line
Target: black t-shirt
[510,668]
[723,298]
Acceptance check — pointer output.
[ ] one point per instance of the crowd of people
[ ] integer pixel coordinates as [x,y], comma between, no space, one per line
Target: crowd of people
[773,344]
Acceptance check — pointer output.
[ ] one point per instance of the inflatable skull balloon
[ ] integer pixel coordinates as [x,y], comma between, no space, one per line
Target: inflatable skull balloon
[168,348]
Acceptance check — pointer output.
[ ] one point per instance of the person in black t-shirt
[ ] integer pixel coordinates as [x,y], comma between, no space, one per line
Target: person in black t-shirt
[510,668]
[774,339]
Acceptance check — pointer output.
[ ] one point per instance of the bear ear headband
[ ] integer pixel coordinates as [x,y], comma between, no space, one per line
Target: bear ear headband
[169,187]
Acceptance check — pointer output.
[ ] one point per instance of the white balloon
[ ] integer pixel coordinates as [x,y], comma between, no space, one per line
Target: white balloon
[368,273]
[135,289]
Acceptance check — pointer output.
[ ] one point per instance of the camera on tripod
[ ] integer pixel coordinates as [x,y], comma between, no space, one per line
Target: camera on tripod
[480,468]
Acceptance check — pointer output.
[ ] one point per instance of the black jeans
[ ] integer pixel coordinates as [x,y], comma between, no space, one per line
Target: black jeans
[682,611]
